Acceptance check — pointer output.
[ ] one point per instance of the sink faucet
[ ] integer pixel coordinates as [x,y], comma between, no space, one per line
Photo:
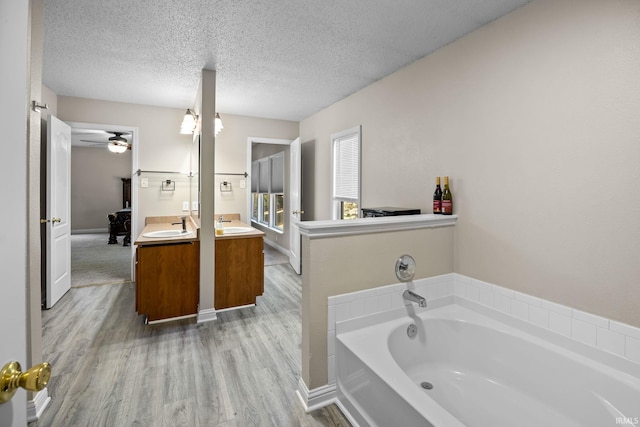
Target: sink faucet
[413,297]
[220,219]
[184,223]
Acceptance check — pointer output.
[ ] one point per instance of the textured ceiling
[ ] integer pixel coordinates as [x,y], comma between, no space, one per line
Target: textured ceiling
[284,59]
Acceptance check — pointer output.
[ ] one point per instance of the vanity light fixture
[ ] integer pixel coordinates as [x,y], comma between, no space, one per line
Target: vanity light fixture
[188,122]
[218,124]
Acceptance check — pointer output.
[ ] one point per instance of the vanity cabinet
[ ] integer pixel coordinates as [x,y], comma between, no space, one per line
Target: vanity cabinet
[167,279]
[239,270]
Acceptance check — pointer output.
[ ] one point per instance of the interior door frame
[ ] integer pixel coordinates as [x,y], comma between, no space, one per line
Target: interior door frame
[258,140]
[135,222]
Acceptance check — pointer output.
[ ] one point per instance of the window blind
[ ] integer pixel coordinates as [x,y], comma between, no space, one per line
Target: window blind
[263,184]
[277,173]
[255,176]
[346,161]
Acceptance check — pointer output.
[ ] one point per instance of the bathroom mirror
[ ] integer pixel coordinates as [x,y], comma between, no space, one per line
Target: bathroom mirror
[405,268]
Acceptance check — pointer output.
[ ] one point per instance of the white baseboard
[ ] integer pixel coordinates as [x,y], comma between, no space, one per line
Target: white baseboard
[36,406]
[277,247]
[170,319]
[90,231]
[316,398]
[222,310]
[207,315]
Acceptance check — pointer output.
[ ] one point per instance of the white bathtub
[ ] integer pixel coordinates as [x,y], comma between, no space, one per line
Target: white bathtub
[486,370]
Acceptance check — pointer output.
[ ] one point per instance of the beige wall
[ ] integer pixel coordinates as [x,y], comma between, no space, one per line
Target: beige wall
[534,117]
[337,265]
[231,156]
[50,98]
[160,148]
[96,186]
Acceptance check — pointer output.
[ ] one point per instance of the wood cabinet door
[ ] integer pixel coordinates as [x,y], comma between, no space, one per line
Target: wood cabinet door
[239,272]
[168,280]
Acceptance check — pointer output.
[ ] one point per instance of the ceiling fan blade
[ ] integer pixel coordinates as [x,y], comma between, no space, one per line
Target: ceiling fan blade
[87,131]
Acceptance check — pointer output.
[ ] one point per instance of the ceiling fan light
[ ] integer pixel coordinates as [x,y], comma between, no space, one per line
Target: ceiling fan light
[118,140]
[117,148]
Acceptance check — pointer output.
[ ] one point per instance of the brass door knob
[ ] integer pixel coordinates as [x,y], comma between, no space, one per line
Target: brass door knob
[56,219]
[44,221]
[298,212]
[12,377]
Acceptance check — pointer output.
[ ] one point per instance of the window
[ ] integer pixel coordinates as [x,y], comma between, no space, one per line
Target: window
[263,190]
[278,220]
[277,190]
[267,188]
[345,147]
[265,209]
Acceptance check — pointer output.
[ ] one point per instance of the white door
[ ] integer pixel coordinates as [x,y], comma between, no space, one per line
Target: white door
[13,193]
[295,211]
[58,210]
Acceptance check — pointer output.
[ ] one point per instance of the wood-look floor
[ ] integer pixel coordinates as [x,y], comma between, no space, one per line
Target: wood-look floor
[110,369]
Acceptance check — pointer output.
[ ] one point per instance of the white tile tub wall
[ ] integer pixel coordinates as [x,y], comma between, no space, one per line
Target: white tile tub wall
[609,335]
[377,300]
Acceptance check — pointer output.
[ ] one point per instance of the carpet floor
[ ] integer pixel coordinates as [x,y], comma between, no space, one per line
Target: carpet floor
[94,262]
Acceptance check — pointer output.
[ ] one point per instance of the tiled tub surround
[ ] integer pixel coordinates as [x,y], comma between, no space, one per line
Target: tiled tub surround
[614,337]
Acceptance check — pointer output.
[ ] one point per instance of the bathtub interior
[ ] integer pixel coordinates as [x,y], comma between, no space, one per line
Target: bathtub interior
[485,372]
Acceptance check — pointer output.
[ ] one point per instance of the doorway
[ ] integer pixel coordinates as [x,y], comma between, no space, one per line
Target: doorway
[102,204]
[276,239]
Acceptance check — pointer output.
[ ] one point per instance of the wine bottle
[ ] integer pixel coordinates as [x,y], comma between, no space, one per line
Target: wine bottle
[437,198]
[447,198]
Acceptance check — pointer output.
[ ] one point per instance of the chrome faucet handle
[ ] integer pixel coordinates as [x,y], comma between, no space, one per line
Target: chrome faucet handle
[405,268]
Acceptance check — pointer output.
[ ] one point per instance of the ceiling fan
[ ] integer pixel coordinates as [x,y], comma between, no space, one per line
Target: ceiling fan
[116,143]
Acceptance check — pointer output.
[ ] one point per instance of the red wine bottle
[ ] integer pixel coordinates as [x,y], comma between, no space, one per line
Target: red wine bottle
[437,198]
[447,198]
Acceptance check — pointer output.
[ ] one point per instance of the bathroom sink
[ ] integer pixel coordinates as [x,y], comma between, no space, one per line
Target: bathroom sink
[237,230]
[166,233]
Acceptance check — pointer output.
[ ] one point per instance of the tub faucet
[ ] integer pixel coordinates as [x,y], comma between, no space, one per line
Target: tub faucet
[413,297]
[184,223]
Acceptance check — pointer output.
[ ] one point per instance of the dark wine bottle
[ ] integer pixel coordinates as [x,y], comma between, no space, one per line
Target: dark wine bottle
[447,198]
[437,198]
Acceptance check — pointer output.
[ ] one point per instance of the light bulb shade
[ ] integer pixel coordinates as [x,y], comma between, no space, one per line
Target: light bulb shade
[218,124]
[188,123]
[117,148]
